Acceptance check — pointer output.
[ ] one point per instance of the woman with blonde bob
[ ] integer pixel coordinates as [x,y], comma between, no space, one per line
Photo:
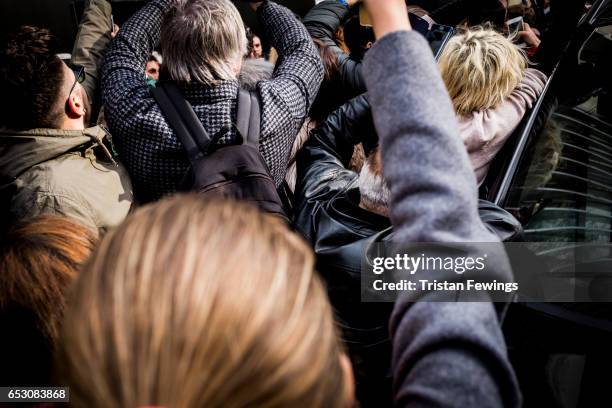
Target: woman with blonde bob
[491,87]
[194,303]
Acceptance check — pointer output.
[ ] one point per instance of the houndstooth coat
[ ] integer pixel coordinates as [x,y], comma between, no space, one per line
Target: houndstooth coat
[146,143]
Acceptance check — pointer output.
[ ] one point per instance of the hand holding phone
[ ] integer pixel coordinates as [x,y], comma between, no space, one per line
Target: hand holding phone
[515,25]
[529,36]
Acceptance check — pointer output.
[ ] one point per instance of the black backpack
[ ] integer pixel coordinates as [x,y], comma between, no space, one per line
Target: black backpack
[234,171]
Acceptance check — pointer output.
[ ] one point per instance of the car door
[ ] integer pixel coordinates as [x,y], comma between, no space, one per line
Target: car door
[556,177]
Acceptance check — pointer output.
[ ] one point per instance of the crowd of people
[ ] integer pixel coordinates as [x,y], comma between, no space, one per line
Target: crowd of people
[140,267]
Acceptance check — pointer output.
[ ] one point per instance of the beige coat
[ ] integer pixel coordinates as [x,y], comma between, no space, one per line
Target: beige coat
[69,173]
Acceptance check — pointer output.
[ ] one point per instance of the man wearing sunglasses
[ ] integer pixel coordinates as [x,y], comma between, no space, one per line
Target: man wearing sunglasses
[77,105]
[51,159]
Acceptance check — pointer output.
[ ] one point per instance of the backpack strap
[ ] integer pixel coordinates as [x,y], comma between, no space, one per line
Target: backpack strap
[248,116]
[181,117]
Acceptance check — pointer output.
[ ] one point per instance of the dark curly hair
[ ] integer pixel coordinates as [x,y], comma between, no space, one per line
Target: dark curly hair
[31,77]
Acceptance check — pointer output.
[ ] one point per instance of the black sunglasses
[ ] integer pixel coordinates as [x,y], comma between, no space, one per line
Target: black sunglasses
[79,75]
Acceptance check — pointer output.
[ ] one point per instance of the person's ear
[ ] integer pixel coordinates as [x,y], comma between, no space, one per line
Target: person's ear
[349,380]
[75,106]
[369,45]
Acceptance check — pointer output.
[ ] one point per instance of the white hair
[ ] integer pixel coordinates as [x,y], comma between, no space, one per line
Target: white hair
[203,41]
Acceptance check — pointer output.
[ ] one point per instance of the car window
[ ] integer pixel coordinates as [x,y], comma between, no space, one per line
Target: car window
[562,190]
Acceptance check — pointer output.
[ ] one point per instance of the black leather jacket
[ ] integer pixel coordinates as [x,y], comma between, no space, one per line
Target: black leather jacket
[328,215]
[322,22]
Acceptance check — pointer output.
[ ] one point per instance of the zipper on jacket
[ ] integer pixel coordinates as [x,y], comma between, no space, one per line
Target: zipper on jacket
[100,142]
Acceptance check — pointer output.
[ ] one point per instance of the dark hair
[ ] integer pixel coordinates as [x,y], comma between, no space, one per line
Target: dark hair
[324,103]
[328,58]
[356,37]
[31,77]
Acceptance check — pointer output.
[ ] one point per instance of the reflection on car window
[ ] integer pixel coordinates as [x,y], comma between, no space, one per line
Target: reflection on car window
[562,191]
[564,185]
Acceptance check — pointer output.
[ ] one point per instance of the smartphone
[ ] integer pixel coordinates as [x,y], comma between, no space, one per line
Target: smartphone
[515,25]
[438,37]
[418,24]
[364,17]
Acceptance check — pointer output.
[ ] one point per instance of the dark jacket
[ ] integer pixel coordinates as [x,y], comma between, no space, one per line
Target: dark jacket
[154,157]
[329,216]
[446,353]
[322,22]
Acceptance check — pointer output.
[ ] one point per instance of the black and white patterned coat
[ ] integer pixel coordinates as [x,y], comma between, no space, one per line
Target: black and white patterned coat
[147,144]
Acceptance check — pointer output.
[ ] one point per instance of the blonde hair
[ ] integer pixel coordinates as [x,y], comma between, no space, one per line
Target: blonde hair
[194,303]
[481,68]
[202,41]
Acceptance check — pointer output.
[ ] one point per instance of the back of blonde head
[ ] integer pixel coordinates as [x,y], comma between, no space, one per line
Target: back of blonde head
[194,303]
[481,68]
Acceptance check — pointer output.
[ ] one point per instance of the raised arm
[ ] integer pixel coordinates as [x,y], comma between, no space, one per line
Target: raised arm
[288,95]
[444,354]
[347,126]
[324,19]
[92,39]
[299,73]
[124,90]
[322,22]
[329,149]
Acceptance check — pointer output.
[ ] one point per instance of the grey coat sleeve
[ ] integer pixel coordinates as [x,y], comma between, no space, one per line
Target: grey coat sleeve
[444,354]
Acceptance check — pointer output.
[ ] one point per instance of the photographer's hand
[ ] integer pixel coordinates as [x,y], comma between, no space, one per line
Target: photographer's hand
[388,16]
[530,36]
